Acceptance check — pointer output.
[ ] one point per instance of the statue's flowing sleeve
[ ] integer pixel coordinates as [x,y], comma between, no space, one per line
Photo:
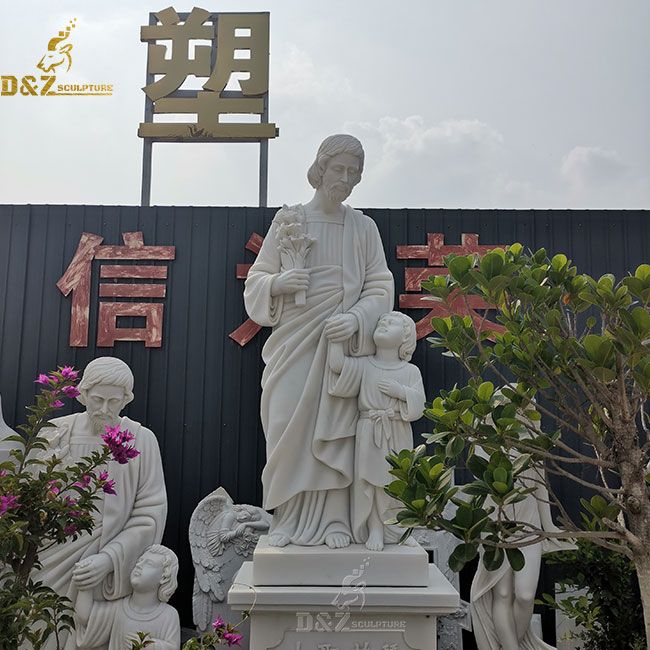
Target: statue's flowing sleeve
[100,623]
[377,292]
[348,382]
[261,306]
[146,516]
[412,407]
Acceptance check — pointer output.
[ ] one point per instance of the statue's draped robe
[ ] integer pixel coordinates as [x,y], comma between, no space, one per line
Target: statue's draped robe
[128,522]
[309,433]
[384,425]
[481,596]
[117,623]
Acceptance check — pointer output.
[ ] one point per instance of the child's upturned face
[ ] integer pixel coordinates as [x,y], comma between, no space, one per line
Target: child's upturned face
[147,572]
[389,332]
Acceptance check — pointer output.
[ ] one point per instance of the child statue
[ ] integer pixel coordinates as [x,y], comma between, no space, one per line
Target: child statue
[390,397]
[117,622]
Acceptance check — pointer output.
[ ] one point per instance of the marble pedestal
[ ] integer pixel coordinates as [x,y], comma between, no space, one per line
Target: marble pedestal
[354,614]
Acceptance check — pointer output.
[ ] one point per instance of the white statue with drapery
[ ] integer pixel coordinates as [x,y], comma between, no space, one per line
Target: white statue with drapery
[154,579]
[390,396]
[320,277]
[128,521]
[502,601]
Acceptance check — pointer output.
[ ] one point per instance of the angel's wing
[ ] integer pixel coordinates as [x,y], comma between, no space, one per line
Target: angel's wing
[201,607]
[207,568]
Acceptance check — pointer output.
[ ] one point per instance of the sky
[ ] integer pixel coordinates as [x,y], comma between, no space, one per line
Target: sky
[458,103]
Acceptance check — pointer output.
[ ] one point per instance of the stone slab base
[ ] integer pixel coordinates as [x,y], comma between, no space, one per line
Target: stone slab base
[395,566]
[343,617]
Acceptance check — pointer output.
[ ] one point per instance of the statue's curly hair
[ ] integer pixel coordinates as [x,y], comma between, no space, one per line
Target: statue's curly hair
[330,147]
[169,580]
[407,348]
[109,371]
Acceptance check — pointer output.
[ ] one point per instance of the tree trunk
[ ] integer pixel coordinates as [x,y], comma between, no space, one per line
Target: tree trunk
[642,565]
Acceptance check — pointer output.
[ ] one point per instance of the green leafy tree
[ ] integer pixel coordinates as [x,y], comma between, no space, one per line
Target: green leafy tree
[575,351]
[44,502]
[609,614]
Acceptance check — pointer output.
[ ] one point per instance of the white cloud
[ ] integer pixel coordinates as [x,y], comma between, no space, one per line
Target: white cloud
[584,167]
[456,162]
[296,76]
[595,177]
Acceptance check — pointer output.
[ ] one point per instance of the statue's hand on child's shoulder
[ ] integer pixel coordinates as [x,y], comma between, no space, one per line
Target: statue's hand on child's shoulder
[392,388]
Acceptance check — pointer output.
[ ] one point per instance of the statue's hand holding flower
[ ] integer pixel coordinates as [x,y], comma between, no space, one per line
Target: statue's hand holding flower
[294,245]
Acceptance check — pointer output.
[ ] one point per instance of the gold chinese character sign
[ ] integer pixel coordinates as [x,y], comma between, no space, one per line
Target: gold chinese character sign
[239,44]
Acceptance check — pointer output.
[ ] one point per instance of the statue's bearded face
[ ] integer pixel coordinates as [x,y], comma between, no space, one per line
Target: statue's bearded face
[340,176]
[103,405]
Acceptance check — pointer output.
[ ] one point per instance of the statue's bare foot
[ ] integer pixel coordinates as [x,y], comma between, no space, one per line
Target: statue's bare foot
[337,540]
[278,539]
[375,539]
[410,541]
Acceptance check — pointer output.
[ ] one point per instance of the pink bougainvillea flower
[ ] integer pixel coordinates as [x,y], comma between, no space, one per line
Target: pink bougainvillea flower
[117,443]
[69,501]
[69,372]
[70,529]
[52,488]
[71,391]
[57,404]
[219,623]
[109,487]
[3,472]
[75,513]
[103,476]
[85,481]
[232,638]
[43,380]
[8,502]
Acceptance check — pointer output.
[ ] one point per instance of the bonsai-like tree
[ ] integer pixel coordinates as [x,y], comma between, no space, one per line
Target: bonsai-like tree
[575,351]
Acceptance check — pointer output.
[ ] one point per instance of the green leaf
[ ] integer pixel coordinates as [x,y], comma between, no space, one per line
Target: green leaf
[397,487]
[441,325]
[455,447]
[485,391]
[436,470]
[500,487]
[559,261]
[493,556]
[491,264]
[477,465]
[461,555]
[643,272]
[458,267]
[641,319]
[464,516]
[516,558]
[598,504]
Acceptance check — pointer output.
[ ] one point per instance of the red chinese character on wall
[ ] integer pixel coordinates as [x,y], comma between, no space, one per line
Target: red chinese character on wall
[77,280]
[434,252]
[249,328]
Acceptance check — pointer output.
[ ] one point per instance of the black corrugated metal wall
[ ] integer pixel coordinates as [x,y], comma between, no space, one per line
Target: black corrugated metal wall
[200,392]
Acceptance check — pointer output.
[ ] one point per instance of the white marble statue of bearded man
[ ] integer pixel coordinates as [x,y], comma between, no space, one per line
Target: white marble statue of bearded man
[334,293]
[127,522]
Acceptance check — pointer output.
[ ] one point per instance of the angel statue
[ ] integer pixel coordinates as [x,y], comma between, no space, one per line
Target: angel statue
[222,534]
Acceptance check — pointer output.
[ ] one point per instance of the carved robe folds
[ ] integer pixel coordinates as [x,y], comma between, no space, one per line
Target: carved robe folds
[309,433]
